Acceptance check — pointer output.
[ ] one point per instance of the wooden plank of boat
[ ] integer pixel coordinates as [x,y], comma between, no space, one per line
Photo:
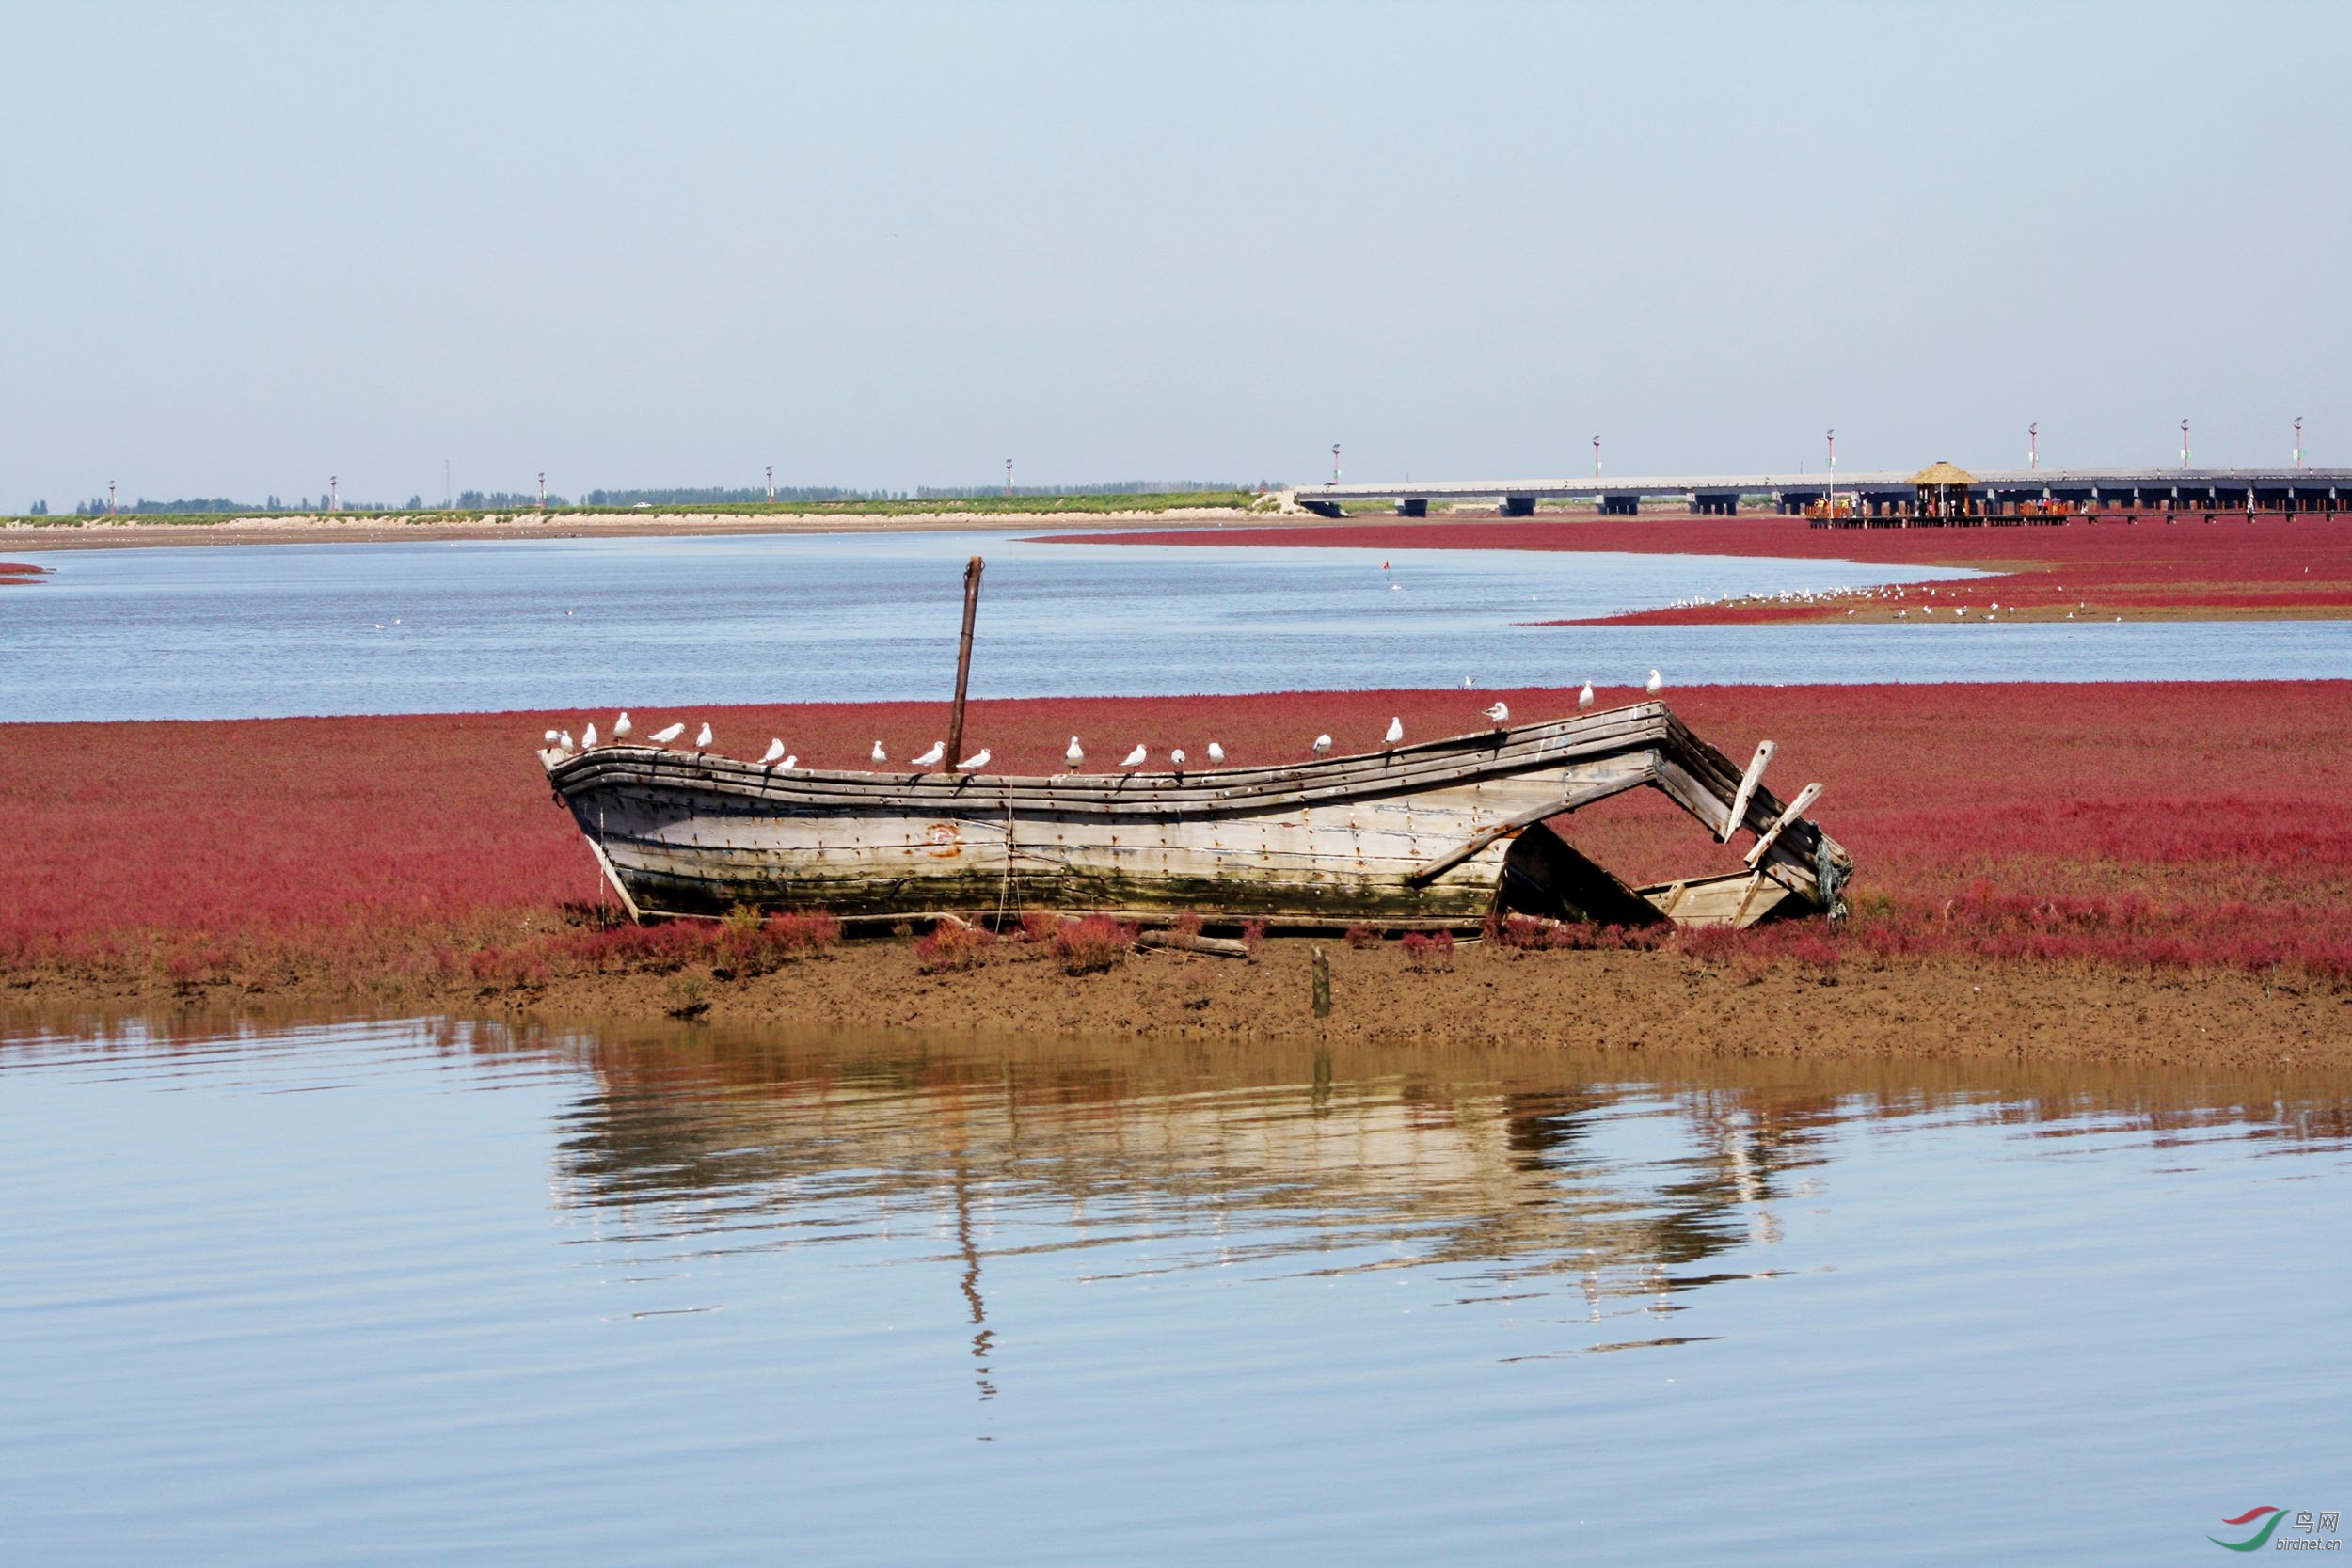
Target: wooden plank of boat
[1737,898]
[1410,835]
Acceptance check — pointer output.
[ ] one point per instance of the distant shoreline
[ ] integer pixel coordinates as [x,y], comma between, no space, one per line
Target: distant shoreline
[90,533]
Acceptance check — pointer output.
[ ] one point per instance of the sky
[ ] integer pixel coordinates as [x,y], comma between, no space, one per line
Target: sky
[888,247]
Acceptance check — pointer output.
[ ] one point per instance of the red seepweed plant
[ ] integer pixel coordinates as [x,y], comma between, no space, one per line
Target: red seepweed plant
[2146,825]
[2149,561]
[1093,944]
[1427,950]
[952,946]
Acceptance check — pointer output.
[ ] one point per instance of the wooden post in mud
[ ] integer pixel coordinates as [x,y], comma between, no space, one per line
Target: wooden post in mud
[964,660]
[1322,984]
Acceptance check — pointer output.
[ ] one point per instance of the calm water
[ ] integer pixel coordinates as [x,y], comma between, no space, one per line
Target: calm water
[433,1293]
[441,627]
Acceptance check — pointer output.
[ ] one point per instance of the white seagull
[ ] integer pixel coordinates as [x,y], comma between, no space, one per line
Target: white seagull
[621,727]
[1323,745]
[789,763]
[1395,731]
[550,737]
[1134,758]
[931,758]
[1075,755]
[768,757]
[1466,684]
[1656,683]
[588,739]
[1216,753]
[702,737]
[1499,713]
[878,755]
[1584,698]
[975,763]
[662,738]
[566,741]
[1176,759]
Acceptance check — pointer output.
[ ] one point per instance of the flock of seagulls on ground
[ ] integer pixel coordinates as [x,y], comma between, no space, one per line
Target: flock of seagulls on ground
[776,759]
[1892,595]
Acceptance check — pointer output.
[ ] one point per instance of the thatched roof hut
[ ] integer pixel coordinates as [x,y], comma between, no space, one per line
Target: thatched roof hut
[1943,489]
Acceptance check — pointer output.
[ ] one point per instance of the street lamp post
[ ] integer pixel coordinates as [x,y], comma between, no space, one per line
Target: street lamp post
[2033,446]
[1596,457]
[1335,462]
[2185,445]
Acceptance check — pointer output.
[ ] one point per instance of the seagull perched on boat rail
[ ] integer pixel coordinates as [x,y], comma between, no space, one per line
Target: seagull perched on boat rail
[564,741]
[1176,759]
[1216,753]
[588,739]
[1134,758]
[878,755]
[775,749]
[621,727]
[1075,755]
[702,737]
[549,738]
[1584,698]
[975,763]
[931,758]
[1322,746]
[1395,731]
[1656,683]
[1499,712]
[663,736]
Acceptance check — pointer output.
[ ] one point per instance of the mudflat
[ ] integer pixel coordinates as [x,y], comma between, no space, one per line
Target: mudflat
[1646,1005]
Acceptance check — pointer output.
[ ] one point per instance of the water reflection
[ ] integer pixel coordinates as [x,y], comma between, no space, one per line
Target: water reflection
[430,1287]
[1543,1179]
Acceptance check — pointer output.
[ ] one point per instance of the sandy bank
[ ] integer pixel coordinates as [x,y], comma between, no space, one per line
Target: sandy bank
[127,533]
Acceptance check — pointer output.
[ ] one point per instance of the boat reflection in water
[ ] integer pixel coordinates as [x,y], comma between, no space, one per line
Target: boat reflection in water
[1530,1177]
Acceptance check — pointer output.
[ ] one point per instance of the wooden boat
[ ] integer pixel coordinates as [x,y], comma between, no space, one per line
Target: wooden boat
[1438,833]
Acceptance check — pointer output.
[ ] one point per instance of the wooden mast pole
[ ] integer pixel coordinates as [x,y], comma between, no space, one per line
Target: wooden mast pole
[964,660]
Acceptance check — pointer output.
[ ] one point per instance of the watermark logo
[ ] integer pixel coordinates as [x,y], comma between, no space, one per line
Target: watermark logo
[2307,1531]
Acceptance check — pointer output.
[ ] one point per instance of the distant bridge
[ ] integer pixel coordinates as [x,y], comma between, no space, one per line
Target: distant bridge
[2281,489]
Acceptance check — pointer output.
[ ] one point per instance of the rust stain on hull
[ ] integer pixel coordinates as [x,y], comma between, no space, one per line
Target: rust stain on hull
[1436,833]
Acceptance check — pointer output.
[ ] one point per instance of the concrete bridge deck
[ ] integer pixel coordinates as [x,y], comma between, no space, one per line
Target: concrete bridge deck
[2282,488]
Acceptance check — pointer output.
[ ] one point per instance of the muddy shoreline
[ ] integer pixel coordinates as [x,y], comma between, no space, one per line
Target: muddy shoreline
[1943,1009]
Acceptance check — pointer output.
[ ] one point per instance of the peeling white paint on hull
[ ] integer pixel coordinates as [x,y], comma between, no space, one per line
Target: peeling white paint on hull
[1421,834]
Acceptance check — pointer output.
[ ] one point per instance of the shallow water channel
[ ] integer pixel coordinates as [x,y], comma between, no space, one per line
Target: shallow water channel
[432,1290]
[436,626]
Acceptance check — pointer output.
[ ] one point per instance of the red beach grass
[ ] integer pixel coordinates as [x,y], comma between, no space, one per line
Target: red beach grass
[2174,825]
[2276,564]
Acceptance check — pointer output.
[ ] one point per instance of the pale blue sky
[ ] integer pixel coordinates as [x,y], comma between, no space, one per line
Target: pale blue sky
[252,246]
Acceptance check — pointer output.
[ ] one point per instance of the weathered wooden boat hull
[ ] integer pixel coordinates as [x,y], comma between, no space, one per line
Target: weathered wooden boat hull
[1427,834]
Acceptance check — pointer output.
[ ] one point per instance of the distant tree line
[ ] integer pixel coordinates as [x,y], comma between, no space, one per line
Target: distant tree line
[1122,487]
[145,507]
[749,495]
[503,500]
